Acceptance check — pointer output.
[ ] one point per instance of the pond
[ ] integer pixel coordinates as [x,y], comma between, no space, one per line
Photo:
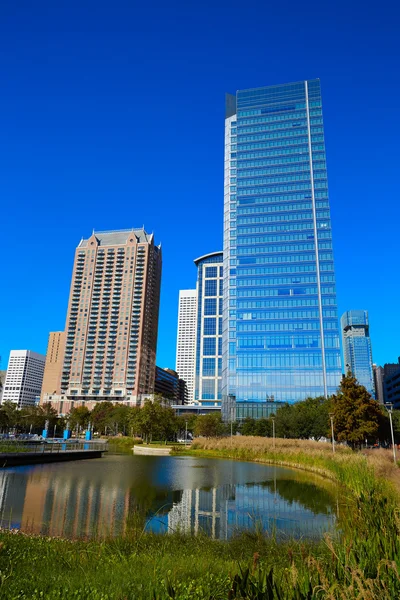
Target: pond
[164,494]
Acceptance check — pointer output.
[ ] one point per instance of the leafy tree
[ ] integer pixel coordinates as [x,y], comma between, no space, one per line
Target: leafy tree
[79,416]
[10,413]
[48,413]
[356,415]
[285,424]
[261,427]
[120,418]
[209,425]
[101,416]
[312,418]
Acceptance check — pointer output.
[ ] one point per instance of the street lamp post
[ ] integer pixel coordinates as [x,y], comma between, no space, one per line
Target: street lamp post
[185,433]
[389,407]
[333,435]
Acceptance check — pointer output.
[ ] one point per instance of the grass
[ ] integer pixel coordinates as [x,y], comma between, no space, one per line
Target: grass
[7,447]
[364,564]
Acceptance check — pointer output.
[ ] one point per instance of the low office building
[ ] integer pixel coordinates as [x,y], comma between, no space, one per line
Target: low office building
[392,389]
[24,378]
[381,375]
[391,384]
[168,385]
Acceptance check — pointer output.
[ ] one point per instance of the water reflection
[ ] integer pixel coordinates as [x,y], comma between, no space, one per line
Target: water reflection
[110,496]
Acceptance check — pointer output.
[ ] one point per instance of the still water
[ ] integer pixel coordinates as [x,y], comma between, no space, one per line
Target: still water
[108,496]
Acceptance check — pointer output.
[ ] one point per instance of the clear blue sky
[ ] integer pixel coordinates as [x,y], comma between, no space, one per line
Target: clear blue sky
[112,116]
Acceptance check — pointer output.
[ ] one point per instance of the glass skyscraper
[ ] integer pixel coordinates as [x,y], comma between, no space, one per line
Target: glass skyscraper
[357,347]
[208,367]
[280,326]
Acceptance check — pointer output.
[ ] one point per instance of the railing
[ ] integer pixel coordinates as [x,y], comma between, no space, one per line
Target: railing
[50,446]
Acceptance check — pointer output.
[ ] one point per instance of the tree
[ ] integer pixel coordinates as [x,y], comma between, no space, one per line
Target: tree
[285,424]
[10,413]
[79,416]
[261,427]
[120,418]
[209,425]
[101,416]
[356,415]
[312,418]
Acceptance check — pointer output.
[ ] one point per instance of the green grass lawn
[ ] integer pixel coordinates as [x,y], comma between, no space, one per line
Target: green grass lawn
[362,563]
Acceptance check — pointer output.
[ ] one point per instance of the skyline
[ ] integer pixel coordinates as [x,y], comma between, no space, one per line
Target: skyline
[76,142]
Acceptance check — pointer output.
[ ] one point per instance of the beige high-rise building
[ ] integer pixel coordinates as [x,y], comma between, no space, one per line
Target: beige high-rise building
[54,364]
[112,320]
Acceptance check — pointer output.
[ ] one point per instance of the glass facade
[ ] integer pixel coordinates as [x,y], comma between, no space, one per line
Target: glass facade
[280,327]
[208,371]
[357,347]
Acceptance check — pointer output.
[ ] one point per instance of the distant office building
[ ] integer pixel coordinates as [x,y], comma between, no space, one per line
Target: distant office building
[168,385]
[208,371]
[280,326]
[24,378]
[392,386]
[386,375]
[186,339]
[112,320]
[357,347]
[378,383]
[54,363]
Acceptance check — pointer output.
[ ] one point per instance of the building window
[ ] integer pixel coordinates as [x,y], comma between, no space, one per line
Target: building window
[209,347]
[210,287]
[210,326]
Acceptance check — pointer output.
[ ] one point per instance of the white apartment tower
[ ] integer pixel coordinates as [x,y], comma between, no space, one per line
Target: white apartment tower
[186,342]
[24,377]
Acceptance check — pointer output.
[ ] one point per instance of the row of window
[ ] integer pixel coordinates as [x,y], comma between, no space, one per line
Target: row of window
[303,180]
[248,249]
[292,269]
[283,134]
[273,198]
[301,226]
[295,151]
[299,167]
[315,112]
[275,248]
[287,359]
[279,143]
[303,291]
[293,159]
[278,109]
[301,325]
[283,125]
[245,304]
[284,341]
[242,191]
[290,237]
[285,314]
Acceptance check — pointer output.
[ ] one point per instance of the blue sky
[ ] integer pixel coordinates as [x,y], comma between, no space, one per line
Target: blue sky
[112,116]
